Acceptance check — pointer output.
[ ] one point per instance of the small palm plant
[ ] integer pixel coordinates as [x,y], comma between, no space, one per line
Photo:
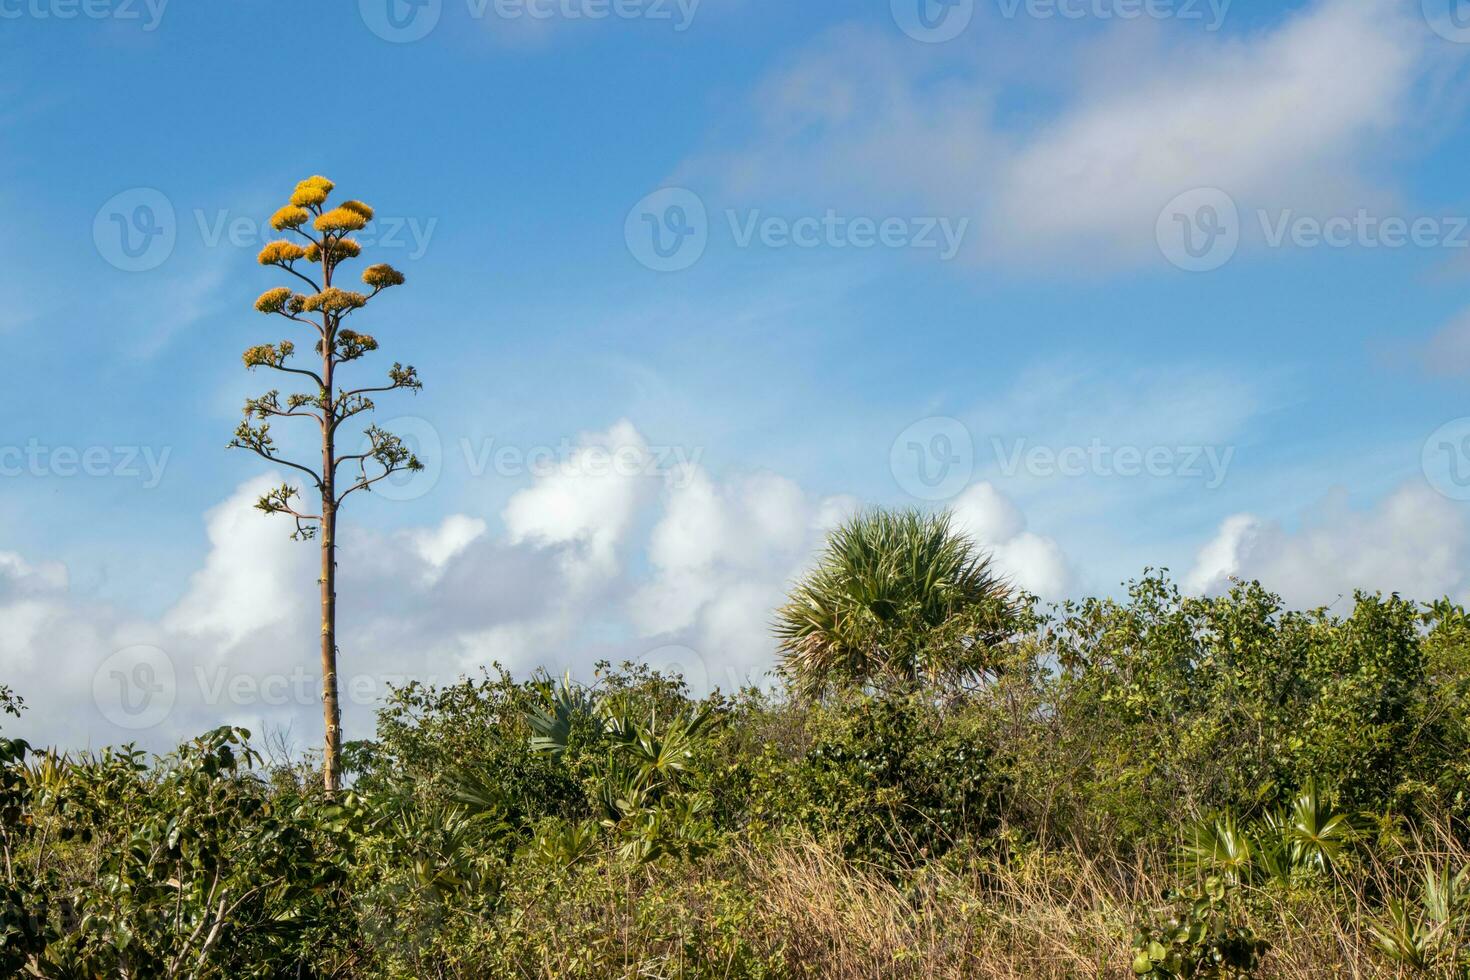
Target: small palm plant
[1285,847]
[640,774]
[897,597]
[1432,933]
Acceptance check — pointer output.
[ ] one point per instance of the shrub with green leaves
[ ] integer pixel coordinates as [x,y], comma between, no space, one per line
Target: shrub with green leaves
[1155,711]
[1204,938]
[189,866]
[882,777]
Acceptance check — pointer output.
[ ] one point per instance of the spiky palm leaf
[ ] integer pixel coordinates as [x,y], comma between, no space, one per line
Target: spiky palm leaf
[896,596]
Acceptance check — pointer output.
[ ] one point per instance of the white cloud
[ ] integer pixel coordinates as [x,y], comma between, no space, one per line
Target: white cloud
[1275,119]
[588,500]
[1414,542]
[20,577]
[251,577]
[1033,562]
[722,557]
[1287,116]
[438,546]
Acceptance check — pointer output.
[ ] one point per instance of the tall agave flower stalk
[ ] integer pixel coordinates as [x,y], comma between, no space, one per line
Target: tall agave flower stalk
[320,243]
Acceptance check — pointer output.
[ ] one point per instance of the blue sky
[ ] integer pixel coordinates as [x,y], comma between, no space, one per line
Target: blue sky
[1029,344]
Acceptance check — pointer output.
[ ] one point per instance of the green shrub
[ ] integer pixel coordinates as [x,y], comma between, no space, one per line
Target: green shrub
[1203,939]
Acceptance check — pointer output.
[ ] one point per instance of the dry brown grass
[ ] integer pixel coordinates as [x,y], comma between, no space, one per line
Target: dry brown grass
[840,921]
[1050,917]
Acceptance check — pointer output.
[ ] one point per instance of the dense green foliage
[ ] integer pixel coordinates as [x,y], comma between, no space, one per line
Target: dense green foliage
[1185,787]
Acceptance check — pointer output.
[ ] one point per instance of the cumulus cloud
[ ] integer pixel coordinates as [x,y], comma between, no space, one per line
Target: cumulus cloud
[438,546]
[587,501]
[602,556]
[1033,562]
[251,577]
[1284,117]
[20,577]
[1276,119]
[1415,542]
[722,556]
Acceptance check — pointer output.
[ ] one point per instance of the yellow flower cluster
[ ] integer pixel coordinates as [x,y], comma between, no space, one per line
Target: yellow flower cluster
[334,300]
[341,248]
[281,253]
[318,183]
[359,207]
[263,356]
[339,220]
[382,276]
[307,196]
[290,216]
[273,300]
[356,344]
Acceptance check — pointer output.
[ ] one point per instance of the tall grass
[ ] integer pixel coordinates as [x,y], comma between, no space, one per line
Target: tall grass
[805,911]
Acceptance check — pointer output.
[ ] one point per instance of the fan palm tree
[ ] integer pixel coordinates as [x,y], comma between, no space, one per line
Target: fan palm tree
[896,597]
